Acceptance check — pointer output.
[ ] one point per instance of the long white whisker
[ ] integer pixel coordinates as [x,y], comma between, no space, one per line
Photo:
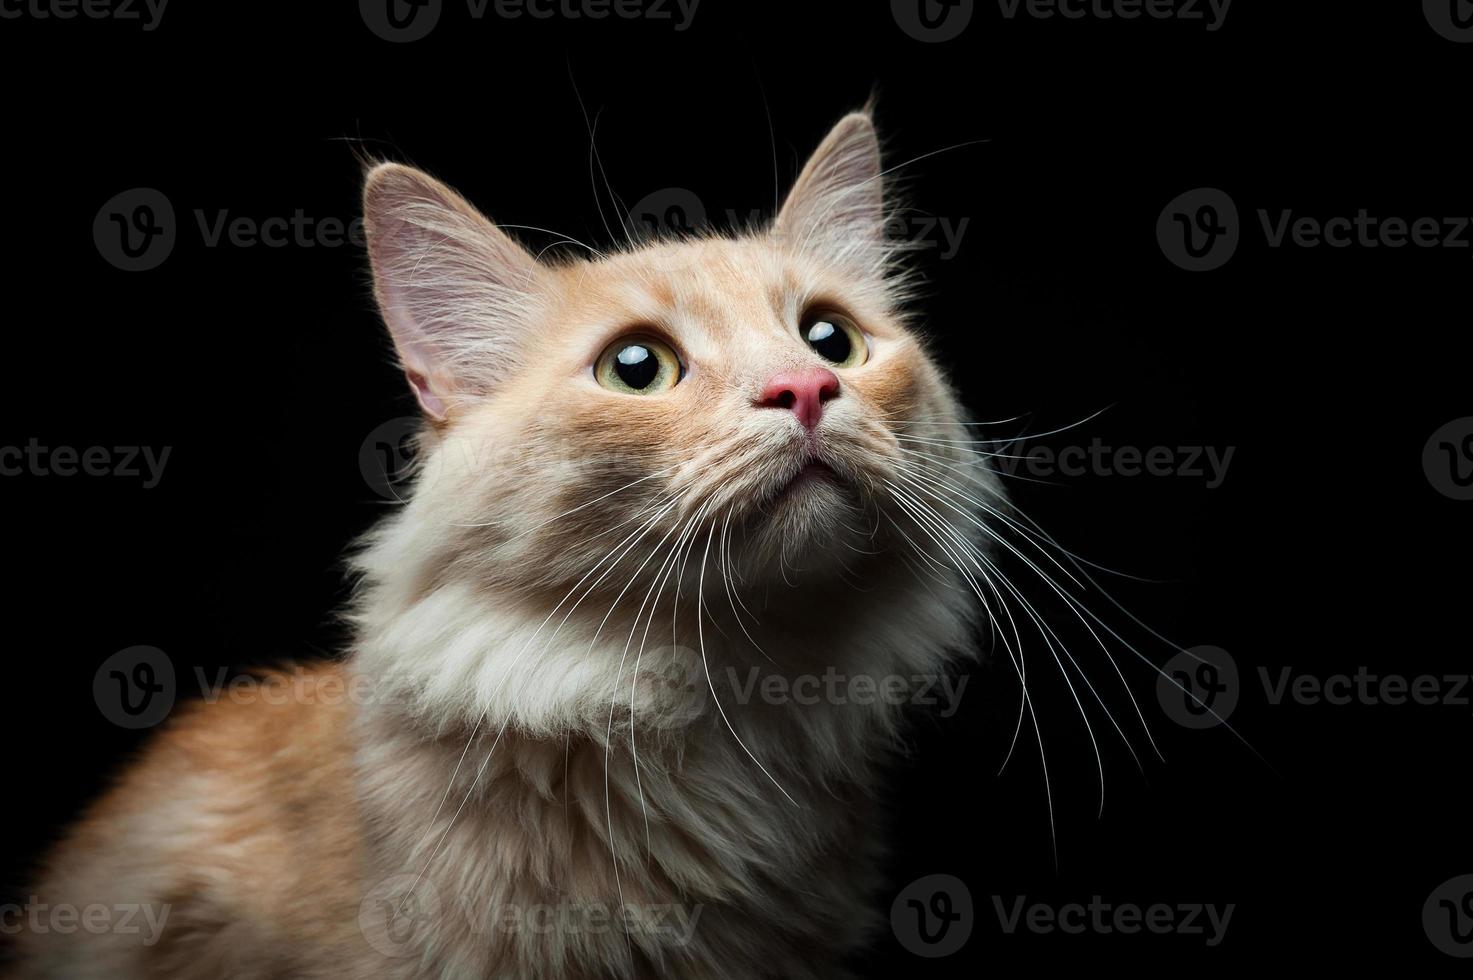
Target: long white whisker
[574,510]
[661,575]
[1038,621]
[636,536]
[1018,665]
[475,729]
[700,632]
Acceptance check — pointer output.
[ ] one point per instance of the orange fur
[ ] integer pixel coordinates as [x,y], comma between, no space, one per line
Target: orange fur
[497,768]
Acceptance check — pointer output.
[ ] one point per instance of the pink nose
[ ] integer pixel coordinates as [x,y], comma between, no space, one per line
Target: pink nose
[803,391]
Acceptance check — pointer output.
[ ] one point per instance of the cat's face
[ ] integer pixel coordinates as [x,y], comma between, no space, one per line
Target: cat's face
[743,398]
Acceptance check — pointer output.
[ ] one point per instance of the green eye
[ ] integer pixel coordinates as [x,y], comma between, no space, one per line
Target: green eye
[836,338]
[638,366]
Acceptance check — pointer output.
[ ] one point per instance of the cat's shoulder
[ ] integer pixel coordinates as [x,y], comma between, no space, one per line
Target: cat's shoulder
[267,738]
[234,825]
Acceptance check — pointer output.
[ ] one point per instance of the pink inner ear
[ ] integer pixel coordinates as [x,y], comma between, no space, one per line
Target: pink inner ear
[448,282]
[430,402]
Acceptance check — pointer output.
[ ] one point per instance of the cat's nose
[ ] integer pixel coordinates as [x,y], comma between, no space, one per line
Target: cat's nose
[803,392]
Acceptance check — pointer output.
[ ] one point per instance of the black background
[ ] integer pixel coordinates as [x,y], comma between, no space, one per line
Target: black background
[1325,548]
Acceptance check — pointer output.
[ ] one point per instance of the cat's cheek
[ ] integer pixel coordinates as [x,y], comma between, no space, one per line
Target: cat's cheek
[894,384]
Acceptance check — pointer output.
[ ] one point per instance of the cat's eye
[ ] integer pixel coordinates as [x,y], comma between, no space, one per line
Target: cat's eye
[836,338]
[638,366]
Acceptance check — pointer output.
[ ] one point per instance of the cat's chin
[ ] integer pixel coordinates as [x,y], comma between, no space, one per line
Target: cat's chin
[808,526]
[812,479]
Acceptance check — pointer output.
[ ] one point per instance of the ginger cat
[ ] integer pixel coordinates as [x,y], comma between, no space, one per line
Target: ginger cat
[658,488]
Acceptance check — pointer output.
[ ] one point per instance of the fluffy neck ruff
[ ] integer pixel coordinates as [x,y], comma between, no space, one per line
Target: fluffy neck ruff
[517,754]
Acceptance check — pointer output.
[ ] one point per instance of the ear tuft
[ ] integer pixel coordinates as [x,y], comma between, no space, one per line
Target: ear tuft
[837,205]
[454,290]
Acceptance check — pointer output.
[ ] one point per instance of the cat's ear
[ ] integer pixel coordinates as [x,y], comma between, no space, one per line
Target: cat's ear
[454,289]
[837,207]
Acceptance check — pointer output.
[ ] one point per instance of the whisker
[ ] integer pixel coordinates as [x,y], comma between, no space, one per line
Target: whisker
[978,460]
[636,536]
[969,473]
[731,598]
[661,576]
[1039,435]
[1080,610]
[1044,628]
[961,443]
[1018,664]
[712,685]
[582,506]
[924,420]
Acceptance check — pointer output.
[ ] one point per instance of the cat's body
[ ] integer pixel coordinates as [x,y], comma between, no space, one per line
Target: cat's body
[585,730]
[263,848]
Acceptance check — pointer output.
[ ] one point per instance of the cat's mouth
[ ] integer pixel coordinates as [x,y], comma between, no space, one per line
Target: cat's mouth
[811,472]
[811,475]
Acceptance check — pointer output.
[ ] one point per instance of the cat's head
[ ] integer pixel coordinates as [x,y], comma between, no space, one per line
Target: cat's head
[752,409]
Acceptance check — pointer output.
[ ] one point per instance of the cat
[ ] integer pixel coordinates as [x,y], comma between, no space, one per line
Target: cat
[663,492]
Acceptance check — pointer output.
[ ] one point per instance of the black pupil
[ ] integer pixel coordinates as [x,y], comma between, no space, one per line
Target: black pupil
[637,366]
[830,341]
